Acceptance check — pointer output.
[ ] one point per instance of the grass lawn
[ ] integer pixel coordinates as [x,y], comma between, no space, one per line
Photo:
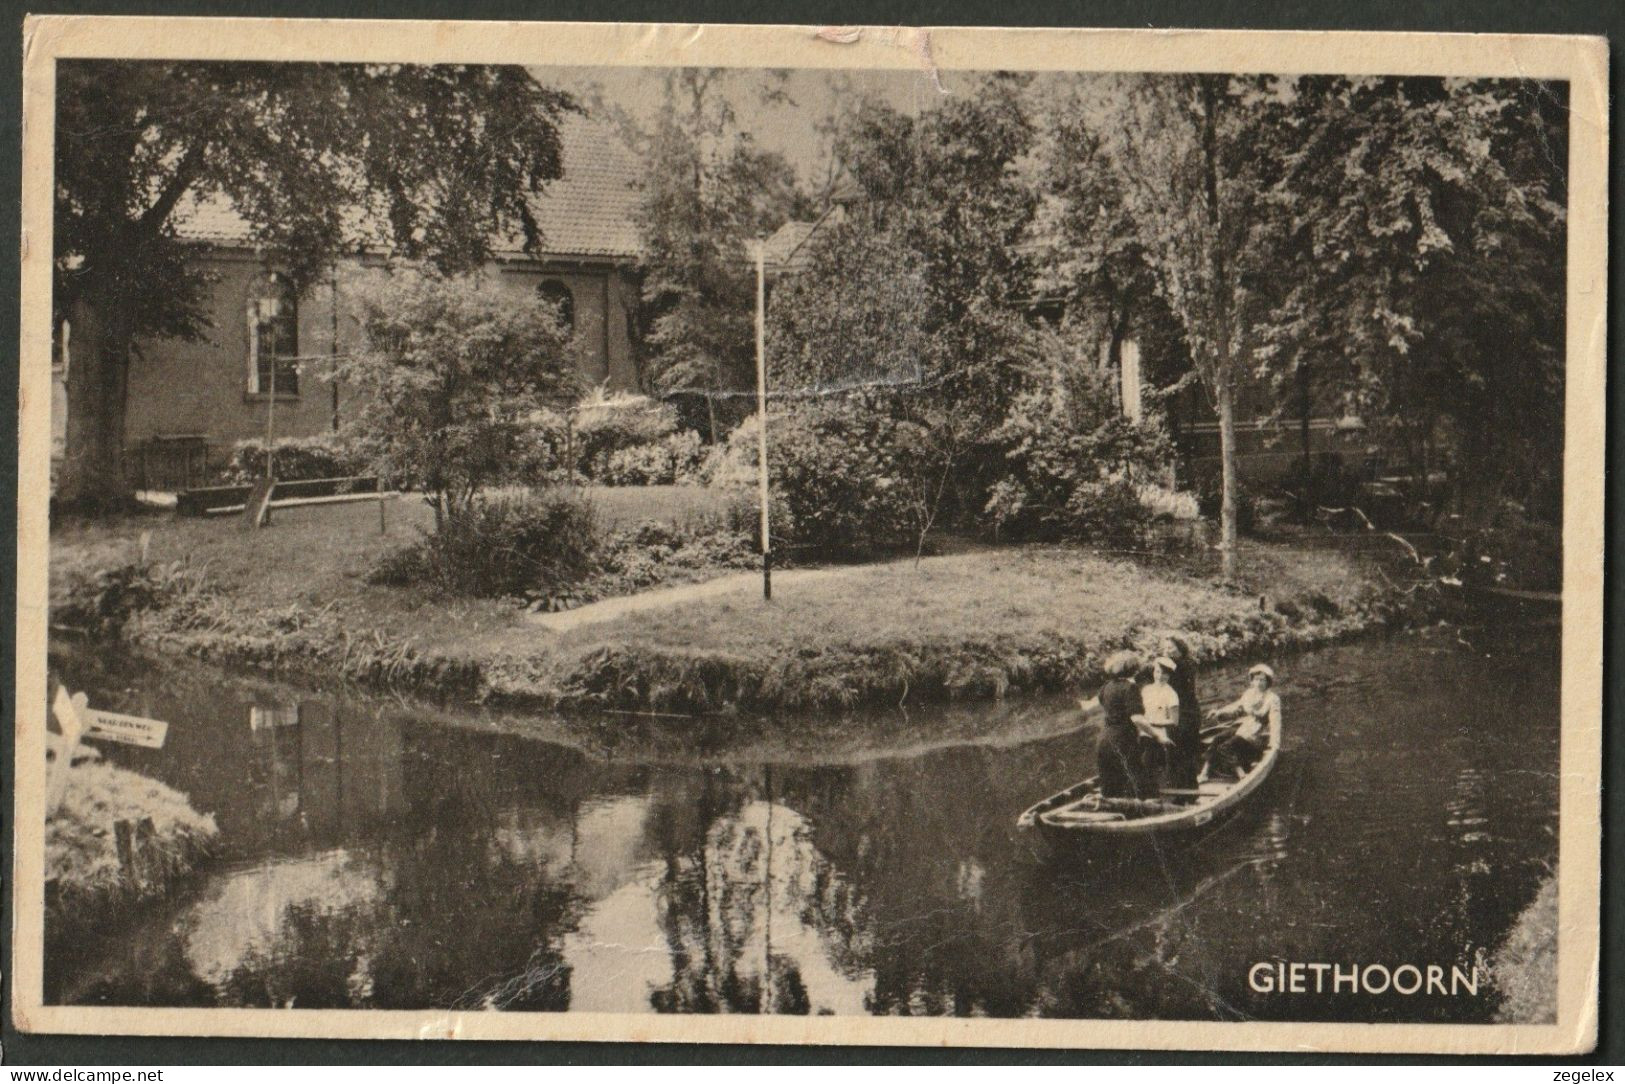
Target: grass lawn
[319,555]
[961,625]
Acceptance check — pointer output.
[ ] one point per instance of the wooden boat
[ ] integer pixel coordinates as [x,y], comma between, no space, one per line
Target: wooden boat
[1082,812]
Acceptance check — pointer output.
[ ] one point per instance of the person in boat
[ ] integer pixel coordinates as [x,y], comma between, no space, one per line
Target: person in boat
[1156,723]
[1119,753]
[1259,711]
[1185,757]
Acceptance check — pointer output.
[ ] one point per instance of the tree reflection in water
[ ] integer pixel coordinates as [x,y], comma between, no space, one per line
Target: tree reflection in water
[739,899]
[375,856]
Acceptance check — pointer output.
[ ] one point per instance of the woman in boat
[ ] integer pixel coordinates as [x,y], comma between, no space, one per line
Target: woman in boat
[1185,758]
[1259,709]
[1119,753]
[1156,723]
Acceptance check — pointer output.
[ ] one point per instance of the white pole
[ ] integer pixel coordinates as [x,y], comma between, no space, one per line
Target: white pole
[761,415]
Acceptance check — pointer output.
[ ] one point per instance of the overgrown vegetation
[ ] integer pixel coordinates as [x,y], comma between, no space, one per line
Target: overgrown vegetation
[1525,966]
[297,459]
[538,546]
[1076,465]
[84,879]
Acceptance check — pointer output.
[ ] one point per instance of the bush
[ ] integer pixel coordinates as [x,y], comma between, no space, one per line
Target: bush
[602,425]
[103,603]
[1328,480]
[502,546]
[541,449]
[449,381]
[1074,466]
[1168,504]
[836,479]
[674,459]
[655,553]
[1513,551]
[331,455]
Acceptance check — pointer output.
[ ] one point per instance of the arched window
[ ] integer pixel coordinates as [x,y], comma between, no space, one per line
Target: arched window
[559,294]
[273,319]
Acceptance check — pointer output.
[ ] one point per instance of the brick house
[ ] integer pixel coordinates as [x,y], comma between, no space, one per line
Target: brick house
[190,401]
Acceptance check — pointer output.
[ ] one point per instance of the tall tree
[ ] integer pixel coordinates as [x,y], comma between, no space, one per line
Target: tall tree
[1193,158]
[917,291]
[430,162]
[1426,258]
[709,193]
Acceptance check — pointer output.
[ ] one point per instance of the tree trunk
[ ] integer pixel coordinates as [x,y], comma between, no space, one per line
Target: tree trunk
[1227,461]
[1306,499]
[1224,345]
[93,475]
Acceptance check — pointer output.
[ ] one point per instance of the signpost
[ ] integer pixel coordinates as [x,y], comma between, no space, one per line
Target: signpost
[80,721]
[69,716]
[125,729]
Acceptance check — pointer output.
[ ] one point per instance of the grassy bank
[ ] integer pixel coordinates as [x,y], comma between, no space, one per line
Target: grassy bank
[1525,966]
[85,877]
[970,625]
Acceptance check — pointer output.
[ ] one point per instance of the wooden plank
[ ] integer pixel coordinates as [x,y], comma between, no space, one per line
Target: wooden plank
[259,503]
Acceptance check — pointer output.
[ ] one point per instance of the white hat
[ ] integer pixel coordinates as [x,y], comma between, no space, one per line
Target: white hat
[1166,663]
[1262,669]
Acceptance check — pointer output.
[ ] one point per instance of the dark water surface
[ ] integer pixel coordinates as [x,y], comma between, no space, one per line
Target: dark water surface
[374,856]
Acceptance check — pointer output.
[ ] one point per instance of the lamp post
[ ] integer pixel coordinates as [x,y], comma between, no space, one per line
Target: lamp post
[761,415]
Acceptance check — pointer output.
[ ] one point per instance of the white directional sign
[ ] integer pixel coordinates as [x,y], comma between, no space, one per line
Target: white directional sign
[125,729]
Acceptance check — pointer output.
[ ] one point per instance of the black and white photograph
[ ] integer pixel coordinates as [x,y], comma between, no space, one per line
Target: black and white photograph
[938,531]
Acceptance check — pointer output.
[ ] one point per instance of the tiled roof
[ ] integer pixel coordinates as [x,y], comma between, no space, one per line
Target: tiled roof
[783,251]
[786,250]
[592,210]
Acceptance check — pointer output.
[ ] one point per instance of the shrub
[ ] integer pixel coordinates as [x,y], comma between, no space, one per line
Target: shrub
[654,553]
[1167,504]
[1073,465]
[541,449]
[502,546]
[673,459]
[331,455]
[604,424]
[448,382]
[835,476]
[1209,494]
[1328,480]
[103,603]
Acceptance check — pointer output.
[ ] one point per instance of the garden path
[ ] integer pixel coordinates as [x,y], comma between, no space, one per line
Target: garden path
[735,583]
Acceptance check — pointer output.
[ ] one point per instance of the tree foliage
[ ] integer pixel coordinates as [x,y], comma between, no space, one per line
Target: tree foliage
[914,291]
[1398,241]
[450,380]
[1423,268]
[709,193]
[429,162]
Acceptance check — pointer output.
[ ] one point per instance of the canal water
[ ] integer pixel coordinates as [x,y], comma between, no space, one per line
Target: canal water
[381,854]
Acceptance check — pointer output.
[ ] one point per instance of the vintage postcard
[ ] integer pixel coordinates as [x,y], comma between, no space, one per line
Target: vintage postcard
[810,535]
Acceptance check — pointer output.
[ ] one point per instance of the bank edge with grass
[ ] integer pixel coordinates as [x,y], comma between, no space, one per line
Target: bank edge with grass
[1019,619]
[87,878]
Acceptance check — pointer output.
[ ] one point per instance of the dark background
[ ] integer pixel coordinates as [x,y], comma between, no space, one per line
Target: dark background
[1602,17]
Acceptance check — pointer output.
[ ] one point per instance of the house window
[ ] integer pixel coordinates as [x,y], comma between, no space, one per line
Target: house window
[273,337]
[557,293]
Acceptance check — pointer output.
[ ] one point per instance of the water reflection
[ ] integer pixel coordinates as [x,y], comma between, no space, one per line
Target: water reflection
[377,858]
